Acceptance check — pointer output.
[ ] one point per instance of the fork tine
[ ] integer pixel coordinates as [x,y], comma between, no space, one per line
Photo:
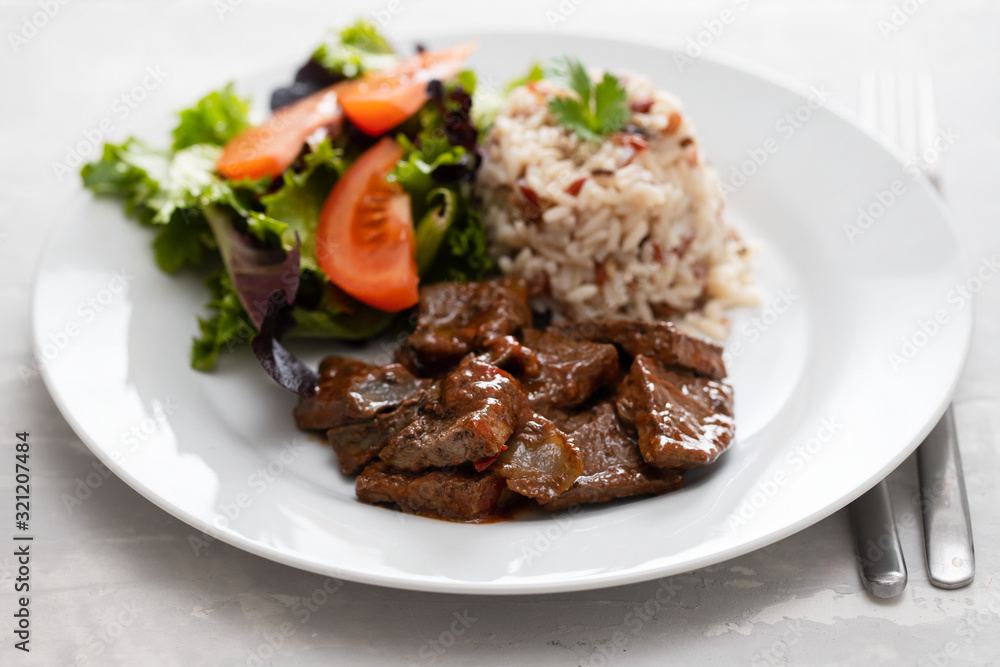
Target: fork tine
[928,126]
[900,106]
[907,113]
[888,122]
[868,101]
[928,111]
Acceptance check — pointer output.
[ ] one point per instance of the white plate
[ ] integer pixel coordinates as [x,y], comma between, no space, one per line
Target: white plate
[823,410]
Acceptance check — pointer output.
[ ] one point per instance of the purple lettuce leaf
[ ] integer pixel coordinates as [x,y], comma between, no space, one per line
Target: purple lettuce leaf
[266,280]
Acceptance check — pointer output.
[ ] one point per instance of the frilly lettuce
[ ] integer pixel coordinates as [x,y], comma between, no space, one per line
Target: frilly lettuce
[255,240]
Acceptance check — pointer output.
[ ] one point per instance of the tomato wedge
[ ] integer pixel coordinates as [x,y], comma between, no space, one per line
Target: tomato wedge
[383,99]
[269,149]
[364,241]
[376,102]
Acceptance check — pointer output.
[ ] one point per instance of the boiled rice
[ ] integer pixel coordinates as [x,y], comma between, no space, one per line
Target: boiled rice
[644,237]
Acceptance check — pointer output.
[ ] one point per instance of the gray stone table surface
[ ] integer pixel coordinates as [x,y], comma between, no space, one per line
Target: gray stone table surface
[115,581]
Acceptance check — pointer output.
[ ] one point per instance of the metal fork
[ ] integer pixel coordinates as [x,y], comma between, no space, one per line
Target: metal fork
[901,107]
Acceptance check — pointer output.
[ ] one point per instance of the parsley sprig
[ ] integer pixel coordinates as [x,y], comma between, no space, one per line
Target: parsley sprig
[598,110]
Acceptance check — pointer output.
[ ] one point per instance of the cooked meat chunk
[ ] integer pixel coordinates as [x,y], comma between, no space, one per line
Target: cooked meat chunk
[351,391]
[356,445]
[570,370]
[431,441]
[359,444]
[475,383]
[660,340]
[508,352]
[457,318]
[480,408]
[540,460]
[456,495]
[683,421]
[612,465]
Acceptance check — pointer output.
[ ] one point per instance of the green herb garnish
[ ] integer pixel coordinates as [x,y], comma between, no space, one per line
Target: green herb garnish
[597,110]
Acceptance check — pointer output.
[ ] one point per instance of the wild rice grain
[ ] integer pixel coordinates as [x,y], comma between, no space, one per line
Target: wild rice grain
[649,212]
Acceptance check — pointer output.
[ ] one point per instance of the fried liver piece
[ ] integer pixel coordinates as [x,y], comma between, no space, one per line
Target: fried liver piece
[455,495]
[570,370]
[612,465]
[683,420]
[540,461]
[660,340]
[509,353]
[457,318]
[351,391]
[480,408]
[358,444]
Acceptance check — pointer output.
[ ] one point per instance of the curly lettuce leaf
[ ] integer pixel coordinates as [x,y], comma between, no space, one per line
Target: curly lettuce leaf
[214,119]
[464,255]
[323,310]
[360,323]
[189,182]
[166,191]
[184,241]
[436,150]
[227,327]
[169,188]
[299,200]
[467,80]
[355,50]
[186,179]
[460,251]
[131,171]
[432,228]
[158,181]
[414,172]
[265,233]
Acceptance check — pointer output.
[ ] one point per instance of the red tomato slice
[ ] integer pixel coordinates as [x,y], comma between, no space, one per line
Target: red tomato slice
[269,149]
[365,242]
[382,100]
[376,102]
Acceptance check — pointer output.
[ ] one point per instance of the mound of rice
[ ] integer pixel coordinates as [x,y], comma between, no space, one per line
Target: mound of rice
[632,226]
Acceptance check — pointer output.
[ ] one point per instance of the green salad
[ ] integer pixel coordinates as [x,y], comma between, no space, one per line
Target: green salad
[297,224]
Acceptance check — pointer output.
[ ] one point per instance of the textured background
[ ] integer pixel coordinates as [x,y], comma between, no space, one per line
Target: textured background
[115,580]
